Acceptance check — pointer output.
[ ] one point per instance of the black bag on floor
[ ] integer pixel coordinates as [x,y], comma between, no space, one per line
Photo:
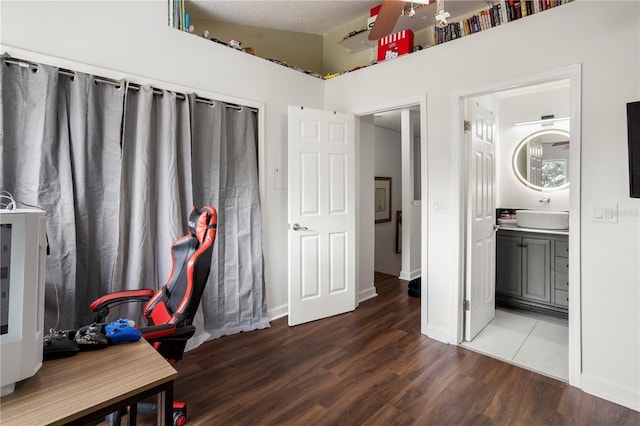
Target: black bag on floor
[414,287]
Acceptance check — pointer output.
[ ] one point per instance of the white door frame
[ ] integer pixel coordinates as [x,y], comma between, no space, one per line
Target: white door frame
[573,73]
[421,101]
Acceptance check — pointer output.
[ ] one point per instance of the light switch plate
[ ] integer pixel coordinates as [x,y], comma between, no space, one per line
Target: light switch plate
[605,213]
[440,206]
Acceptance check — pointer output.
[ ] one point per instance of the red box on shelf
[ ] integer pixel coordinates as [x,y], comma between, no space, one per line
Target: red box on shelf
[394,45]
[373,17]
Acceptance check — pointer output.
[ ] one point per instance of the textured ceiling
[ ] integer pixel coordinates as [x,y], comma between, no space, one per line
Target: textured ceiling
[306,16]
[313,17]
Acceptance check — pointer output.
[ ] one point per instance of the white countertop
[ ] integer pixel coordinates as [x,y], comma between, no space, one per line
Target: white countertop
[539,231]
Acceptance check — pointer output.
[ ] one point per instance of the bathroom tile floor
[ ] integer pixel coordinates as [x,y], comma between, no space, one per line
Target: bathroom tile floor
[533,341]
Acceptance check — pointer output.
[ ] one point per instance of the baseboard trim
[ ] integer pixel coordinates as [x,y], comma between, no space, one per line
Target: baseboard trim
[438,333]
[277,312]
[412,275]
[366,294]
[614,392]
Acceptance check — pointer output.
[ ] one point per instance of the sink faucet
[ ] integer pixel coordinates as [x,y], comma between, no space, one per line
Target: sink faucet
[544,200]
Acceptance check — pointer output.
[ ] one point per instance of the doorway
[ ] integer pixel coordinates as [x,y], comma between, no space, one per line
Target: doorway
[396,146]
[571,77]
[412,154]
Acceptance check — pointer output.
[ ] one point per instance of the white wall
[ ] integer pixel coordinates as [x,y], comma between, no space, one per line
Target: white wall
[609,52]
[411,209]
[388,164]
[366,207]
[518,107]
[132,40]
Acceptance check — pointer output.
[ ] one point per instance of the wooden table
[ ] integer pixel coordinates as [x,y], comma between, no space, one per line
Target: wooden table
[90,385]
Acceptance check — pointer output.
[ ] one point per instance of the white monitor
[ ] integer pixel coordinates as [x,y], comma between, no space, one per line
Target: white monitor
[22,270]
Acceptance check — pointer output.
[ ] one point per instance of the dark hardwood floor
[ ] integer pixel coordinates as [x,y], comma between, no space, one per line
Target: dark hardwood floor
[372,367]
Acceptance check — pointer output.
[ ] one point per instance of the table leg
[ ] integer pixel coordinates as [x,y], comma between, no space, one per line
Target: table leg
[165,405]
[132,418]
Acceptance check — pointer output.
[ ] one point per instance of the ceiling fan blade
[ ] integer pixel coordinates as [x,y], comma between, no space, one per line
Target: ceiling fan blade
[387,18]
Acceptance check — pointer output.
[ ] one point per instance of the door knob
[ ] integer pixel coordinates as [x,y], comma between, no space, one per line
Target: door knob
[297,227]
[496,227]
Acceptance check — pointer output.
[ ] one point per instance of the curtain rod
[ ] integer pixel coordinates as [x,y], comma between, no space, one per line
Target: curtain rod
[131,86]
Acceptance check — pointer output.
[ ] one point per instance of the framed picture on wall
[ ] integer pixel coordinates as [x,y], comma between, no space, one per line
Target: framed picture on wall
[383,199]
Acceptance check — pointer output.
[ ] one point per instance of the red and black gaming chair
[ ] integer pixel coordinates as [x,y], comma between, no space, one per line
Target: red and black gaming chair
[169,311]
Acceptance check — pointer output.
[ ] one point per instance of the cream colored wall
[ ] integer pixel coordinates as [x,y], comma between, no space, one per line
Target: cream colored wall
[337,59]
[297,49]
[318,53]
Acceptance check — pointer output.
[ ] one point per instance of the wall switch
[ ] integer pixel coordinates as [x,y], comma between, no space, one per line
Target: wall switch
[607,214]
[597,212]
[440,206]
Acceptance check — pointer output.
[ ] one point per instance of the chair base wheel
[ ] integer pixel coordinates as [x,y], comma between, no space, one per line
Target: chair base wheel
[179,418]
[179,413]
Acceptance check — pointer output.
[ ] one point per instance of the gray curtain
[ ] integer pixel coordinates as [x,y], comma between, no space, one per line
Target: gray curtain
[225,175]
[117,171]
[60,151]
[156,194]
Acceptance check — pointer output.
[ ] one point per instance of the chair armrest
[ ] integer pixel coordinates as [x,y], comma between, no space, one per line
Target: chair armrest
[166,332]
[102,305]
[152,333]
[170,346]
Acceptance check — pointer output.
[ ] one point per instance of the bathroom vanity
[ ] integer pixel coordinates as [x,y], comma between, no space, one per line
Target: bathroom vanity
[532,269]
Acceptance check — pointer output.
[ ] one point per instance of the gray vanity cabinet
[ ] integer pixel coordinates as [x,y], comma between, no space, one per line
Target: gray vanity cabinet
[532,271]
[536,269]
[508,265]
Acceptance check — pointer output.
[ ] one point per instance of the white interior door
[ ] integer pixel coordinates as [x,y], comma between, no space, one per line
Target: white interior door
[534,162]
[481,247]
[322,217]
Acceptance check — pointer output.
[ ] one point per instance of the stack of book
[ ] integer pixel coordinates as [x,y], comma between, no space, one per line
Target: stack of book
[178,17]
[499,13]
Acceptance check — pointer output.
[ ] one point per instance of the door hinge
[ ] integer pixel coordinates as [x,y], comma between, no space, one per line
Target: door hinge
[465,305]
[467,126]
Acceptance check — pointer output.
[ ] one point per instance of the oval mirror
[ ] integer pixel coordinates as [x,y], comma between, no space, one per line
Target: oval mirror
[541,160]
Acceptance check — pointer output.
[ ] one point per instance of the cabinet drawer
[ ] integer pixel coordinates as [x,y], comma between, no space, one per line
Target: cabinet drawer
[562,249]
[561,280]
[562,298]
[561,264]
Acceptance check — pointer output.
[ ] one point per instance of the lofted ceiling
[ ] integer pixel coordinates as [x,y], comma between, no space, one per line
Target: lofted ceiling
[305,16]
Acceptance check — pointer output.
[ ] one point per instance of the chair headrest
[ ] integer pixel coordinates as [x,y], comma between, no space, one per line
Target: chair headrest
[201,220]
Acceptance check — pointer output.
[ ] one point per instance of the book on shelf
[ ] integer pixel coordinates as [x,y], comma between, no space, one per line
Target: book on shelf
[178,15]
[499,13]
